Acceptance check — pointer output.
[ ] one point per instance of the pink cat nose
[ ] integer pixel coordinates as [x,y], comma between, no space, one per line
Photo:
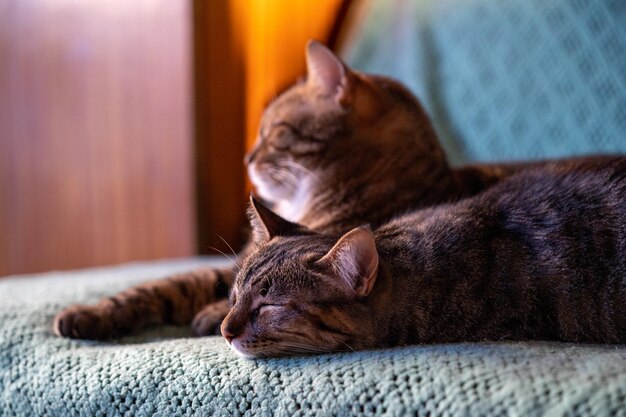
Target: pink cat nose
[228,332]
[249,157]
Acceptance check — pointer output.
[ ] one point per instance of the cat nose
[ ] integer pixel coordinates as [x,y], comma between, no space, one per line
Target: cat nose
[249,157]
[228,331]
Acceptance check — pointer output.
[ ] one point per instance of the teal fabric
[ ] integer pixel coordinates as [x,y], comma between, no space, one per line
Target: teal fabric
[153,374]
[509,79]
[503,80]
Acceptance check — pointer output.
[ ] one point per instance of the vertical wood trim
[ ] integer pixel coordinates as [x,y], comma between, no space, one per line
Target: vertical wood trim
[220,126]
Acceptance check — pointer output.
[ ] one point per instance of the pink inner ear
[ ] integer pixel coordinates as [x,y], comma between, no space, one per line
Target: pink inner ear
[367,260]
[355,259]
[324,69]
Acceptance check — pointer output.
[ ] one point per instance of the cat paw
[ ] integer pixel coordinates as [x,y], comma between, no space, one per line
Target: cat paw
[80,322]
[208,320]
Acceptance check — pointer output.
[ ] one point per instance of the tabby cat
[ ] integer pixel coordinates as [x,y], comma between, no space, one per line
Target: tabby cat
[333,152]
[541,255]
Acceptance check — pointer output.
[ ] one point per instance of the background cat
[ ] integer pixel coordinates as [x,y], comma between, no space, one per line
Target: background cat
[541,255]
[335,151]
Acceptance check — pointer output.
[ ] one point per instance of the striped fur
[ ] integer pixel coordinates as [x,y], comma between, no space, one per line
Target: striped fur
[328,156]
[541,255]
[174,300]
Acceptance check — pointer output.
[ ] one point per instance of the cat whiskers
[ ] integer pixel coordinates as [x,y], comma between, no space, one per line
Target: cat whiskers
[299,167]
[293,168]
[337,339]
[294,347]
[284,178]
[347,345]
[261,353]
[297,343]
[232,250]
[291,177]
[230,258]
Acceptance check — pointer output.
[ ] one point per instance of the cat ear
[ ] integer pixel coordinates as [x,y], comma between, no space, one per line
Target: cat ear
[325,71]
[266,224]
[355,259]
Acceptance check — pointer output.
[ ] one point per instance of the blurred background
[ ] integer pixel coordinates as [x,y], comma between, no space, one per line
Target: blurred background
[123,124]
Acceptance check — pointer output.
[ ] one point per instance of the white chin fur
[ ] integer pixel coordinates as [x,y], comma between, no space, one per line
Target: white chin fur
[235,346]
[259,185]
[290,208]
[293,208]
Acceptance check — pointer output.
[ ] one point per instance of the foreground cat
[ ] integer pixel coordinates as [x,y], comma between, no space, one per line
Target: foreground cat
[542,255]
[336,151]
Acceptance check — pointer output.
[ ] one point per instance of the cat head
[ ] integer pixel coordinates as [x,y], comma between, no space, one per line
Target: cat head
[308,134]
[301,292]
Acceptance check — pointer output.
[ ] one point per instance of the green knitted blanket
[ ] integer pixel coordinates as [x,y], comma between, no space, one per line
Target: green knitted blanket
[166,372]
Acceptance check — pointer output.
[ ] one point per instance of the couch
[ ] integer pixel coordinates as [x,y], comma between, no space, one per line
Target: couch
[503,80]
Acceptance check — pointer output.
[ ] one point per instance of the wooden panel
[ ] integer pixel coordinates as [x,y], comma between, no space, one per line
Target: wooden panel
[220,126]
[95,136]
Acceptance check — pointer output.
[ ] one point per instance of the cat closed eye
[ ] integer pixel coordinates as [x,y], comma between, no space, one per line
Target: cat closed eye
[280,138]
[269,308]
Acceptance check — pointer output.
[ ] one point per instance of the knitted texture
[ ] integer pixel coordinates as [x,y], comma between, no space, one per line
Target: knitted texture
[153,374]
[506,79]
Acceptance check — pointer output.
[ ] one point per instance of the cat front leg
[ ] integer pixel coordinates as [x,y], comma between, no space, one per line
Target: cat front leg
[173,300]
[209,319]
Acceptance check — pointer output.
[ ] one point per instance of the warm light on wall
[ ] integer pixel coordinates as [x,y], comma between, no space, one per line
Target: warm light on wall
[244,52]
[273,35]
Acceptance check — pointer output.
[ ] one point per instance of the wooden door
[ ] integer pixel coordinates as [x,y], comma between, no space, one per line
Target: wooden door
[95,133]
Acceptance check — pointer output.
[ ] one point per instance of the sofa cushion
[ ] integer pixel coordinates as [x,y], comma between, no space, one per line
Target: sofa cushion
[166,372]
